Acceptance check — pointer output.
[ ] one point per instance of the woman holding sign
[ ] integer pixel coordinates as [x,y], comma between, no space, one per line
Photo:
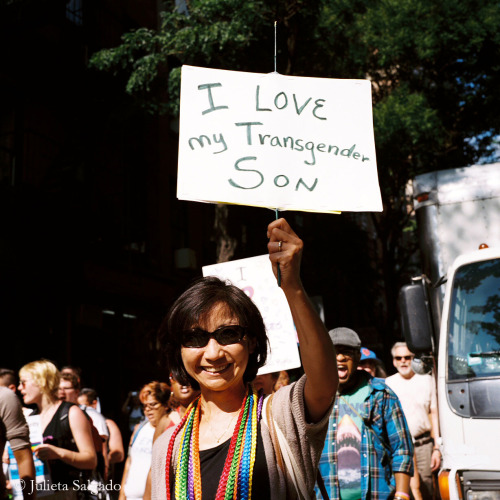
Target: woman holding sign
[233,443]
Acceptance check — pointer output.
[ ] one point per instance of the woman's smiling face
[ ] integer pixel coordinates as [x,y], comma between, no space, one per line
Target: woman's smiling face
[217,367]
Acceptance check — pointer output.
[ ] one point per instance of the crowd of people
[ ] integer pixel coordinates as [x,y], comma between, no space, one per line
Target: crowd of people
[96,441]
[62,423]
[220,429]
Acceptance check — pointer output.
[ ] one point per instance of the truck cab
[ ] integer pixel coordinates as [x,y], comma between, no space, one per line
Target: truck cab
[469,378]
[451,320]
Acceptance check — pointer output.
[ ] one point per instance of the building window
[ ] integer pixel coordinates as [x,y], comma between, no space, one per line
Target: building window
[74,12]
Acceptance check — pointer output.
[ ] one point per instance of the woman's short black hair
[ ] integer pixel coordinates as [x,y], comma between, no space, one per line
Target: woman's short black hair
[191,307]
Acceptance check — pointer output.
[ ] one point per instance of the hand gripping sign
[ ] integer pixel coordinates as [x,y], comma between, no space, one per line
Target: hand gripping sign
[268,140]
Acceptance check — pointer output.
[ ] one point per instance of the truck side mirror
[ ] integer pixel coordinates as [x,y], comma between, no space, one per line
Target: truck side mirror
[415,318]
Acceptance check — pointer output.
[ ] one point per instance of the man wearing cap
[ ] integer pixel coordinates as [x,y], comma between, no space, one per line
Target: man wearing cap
[418,398]
[371,363]
[368,451]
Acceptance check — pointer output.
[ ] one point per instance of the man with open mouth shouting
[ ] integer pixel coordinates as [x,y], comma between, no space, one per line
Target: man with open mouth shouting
[368,452]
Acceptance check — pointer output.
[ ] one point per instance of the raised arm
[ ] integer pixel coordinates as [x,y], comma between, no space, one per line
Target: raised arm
[316,348]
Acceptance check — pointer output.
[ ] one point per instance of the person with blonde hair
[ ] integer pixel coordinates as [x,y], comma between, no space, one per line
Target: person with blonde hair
[154,398]
[67,438]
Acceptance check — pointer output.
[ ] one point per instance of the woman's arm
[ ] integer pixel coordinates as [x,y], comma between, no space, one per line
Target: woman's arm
[116,452]
[316,348]
[85,457]
[124,479]
[127,464]
[147,490]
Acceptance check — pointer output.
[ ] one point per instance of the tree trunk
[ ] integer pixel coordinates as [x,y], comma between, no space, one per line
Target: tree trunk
[226,245]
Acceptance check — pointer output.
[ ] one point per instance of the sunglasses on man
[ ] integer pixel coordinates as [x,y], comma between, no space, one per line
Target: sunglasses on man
[406,358]
[347,351]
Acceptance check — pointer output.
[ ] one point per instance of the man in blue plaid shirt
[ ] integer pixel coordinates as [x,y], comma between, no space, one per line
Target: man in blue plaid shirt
[368,451]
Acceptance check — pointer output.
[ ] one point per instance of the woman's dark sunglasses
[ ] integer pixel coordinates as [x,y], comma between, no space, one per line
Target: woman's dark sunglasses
[224,335]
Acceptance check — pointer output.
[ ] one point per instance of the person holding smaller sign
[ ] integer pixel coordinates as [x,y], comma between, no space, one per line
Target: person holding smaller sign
[232,442]
[67,445]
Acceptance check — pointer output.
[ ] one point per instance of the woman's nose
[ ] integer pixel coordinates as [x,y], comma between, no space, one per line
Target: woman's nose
[212,349]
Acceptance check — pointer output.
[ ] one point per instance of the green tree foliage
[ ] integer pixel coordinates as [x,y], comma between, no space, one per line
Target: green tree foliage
[219,34]
[434,74]
[434,67]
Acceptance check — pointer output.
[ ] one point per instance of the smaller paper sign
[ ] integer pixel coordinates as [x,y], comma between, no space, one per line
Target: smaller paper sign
[275,141]
[43,484]
[255,277]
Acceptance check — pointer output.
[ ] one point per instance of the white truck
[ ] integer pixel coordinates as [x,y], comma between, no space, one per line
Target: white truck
[455,330]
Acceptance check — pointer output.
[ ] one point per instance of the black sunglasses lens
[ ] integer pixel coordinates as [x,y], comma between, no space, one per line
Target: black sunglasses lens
[195,338]
[228,335]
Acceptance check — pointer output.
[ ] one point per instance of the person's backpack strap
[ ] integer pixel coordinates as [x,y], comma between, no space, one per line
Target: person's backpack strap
[139,429]
[66,435]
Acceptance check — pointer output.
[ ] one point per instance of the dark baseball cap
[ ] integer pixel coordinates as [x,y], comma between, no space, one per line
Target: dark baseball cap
[345,336]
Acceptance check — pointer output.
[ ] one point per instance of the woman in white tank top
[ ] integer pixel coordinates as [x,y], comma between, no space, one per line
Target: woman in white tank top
[154,398]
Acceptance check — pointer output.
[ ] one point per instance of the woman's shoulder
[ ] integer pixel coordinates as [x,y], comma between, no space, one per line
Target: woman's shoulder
[73,411]
[161,443]
[164,424]
[62,413]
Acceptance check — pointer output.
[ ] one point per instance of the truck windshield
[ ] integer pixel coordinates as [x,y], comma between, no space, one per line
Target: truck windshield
[474,326]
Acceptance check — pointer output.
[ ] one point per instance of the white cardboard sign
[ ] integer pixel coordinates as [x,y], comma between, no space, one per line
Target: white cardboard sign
[43,485]
[275,141]
[255,277]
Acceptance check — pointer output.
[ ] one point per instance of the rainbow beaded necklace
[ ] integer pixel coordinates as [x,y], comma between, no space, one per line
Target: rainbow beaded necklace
[236,479]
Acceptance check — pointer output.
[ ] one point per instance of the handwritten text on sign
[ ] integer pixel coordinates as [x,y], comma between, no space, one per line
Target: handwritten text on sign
[255,277]
[276,141]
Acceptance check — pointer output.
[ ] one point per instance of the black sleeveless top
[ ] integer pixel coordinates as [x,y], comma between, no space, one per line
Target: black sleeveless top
[212,464]
[58,433]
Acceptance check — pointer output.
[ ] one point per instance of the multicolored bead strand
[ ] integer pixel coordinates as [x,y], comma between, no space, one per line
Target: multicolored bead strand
[181,476]
[195,446]
[253,452]
[236,479]
[221,490]
[244,465]
[171,446]
[232,479]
